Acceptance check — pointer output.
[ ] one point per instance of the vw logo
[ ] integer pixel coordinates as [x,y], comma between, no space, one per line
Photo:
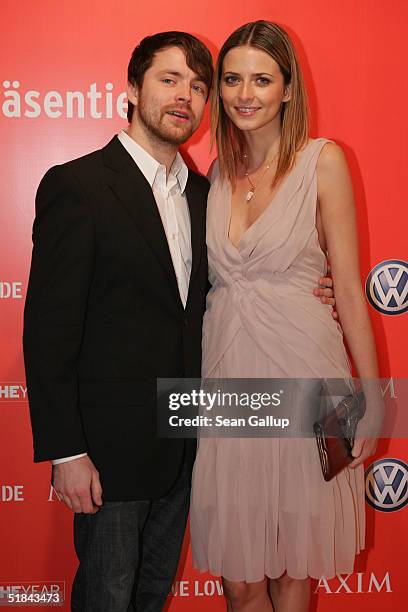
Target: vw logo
[387,287]
[386,485]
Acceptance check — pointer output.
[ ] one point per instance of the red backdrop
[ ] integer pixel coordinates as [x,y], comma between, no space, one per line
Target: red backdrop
[63,71]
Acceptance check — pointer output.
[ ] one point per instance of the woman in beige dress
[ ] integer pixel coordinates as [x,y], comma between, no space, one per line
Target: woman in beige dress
[262,516]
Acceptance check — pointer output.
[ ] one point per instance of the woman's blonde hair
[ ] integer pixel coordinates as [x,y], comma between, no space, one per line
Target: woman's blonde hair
[272,39]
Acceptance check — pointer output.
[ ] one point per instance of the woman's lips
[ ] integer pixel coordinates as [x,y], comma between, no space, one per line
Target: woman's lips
[246,111]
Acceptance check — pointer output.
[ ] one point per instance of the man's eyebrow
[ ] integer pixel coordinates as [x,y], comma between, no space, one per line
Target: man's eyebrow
[172,72]
[197,77]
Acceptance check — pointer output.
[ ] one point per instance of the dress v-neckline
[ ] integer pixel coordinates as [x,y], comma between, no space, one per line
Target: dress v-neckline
[254,223]
[269,206]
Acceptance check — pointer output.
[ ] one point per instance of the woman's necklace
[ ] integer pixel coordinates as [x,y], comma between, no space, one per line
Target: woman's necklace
[251,192]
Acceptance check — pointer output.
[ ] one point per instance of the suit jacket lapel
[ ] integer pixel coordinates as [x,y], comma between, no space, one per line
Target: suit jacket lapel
[194,195]
[135,194]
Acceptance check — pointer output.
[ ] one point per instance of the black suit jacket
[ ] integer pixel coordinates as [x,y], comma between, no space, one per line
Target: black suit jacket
[104,320]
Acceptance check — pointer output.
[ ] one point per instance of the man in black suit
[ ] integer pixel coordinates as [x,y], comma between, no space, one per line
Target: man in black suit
[115,300]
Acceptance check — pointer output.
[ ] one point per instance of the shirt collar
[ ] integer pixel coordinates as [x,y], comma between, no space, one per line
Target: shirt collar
[149,166]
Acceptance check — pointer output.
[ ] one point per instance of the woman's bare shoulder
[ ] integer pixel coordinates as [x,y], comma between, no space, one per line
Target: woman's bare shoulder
[331,157]
[333,176]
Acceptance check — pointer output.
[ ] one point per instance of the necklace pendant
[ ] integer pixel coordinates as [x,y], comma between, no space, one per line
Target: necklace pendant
[249,195]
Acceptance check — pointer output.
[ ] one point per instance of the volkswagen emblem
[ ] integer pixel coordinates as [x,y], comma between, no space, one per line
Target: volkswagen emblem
[386,485]
[387,287]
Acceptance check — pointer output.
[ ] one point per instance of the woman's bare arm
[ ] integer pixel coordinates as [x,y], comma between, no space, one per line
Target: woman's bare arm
[337,210]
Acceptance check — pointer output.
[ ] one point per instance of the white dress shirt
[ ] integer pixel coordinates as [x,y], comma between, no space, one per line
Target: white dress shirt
[169,193]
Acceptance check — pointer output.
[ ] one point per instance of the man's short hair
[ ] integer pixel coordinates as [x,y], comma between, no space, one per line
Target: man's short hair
[198,58]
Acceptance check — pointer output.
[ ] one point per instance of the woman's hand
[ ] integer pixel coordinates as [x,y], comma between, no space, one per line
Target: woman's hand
[362,449]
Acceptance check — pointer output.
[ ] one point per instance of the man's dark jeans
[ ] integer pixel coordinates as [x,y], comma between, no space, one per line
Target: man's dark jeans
[129,552]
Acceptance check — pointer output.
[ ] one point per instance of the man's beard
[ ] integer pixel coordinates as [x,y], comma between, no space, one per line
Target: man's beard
[154,124]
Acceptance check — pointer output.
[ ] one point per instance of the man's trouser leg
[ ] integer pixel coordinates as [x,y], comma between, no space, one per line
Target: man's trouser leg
[162,541]
[129,552]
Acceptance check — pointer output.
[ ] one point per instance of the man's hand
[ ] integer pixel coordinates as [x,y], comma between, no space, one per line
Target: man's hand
[325,292]
[77,484]
[362,449]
